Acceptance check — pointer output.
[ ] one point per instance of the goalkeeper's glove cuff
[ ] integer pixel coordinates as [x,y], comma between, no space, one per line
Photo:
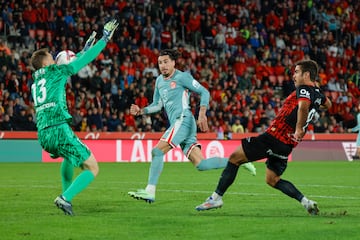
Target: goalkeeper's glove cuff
[106,36]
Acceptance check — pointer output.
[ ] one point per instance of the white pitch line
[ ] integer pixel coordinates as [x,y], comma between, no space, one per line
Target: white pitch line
[191,184]
[258,194]
[179,191]
[107,183]
[241,184]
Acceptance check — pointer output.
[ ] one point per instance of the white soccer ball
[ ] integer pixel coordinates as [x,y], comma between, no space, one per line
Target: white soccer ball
[65,57]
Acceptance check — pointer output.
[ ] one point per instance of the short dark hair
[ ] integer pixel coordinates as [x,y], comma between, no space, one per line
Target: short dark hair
[173,53]
[309,66]
[38,57]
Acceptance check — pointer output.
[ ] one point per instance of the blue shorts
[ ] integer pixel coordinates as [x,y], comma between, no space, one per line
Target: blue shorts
[61,141]
[183,133]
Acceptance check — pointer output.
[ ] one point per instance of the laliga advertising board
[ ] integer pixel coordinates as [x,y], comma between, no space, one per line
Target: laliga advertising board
[140,150]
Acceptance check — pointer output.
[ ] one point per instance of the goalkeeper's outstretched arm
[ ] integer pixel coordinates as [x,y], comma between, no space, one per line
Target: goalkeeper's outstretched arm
[90,42]
[91,53]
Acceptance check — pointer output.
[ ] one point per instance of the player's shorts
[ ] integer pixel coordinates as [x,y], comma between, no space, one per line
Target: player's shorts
[183,133]
[266,146]
[61,141]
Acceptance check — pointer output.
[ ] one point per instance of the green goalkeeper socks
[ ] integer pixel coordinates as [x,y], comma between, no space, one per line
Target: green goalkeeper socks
[67,173]
[79,184]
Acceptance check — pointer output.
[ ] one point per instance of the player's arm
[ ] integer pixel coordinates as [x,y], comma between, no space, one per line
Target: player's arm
[93,52]
[87,57]
[302,115]
[88,44]
[195,86]
[154,107]
[326,105]
[202,119]
[357,127]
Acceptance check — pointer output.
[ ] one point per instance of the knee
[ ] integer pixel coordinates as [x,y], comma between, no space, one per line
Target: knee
[91,165]
[156,152]
[95,170]
[237,158]
[271,181]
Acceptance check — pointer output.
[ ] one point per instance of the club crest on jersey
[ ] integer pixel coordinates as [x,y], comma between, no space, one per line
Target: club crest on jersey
[173,85]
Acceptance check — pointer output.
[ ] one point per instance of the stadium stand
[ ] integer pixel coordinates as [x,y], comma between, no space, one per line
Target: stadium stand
[242,51]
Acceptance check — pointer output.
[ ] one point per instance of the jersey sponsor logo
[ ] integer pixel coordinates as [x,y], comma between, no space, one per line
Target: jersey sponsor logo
[196,84]
[173,85]
[45,106]
[304,93]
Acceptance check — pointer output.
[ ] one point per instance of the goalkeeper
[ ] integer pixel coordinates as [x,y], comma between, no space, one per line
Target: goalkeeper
[54,133]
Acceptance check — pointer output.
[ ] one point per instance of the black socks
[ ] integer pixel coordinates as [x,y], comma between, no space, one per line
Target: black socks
[289,189]
[227,178]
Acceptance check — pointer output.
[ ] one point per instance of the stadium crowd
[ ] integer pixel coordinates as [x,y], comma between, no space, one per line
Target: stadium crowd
[241,51]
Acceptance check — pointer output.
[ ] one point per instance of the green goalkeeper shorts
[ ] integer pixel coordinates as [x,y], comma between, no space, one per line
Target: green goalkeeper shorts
[61,141]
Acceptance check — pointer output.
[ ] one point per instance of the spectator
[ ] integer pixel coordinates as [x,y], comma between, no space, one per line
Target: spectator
[77,118]
[141,100]
[6,124]
[129,119]
[113,123]
[94,119]
[279,34]
[149,35]
[237,127]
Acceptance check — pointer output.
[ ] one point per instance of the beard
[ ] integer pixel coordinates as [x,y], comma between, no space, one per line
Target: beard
[165,73]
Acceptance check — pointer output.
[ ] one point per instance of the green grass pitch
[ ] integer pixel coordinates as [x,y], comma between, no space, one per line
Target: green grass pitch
[251,210]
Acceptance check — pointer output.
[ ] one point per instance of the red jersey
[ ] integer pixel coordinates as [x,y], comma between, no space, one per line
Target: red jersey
[283,126]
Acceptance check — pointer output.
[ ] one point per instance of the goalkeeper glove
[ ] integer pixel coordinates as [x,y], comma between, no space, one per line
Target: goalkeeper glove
[89,42]
[109,29]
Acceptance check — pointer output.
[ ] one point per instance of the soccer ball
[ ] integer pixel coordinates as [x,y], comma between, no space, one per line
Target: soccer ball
[64,57]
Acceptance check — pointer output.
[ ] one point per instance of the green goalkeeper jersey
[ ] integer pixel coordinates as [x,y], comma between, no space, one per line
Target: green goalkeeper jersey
[49,88]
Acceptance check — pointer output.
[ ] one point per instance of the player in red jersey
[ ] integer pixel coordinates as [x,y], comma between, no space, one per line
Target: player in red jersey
[284,133]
